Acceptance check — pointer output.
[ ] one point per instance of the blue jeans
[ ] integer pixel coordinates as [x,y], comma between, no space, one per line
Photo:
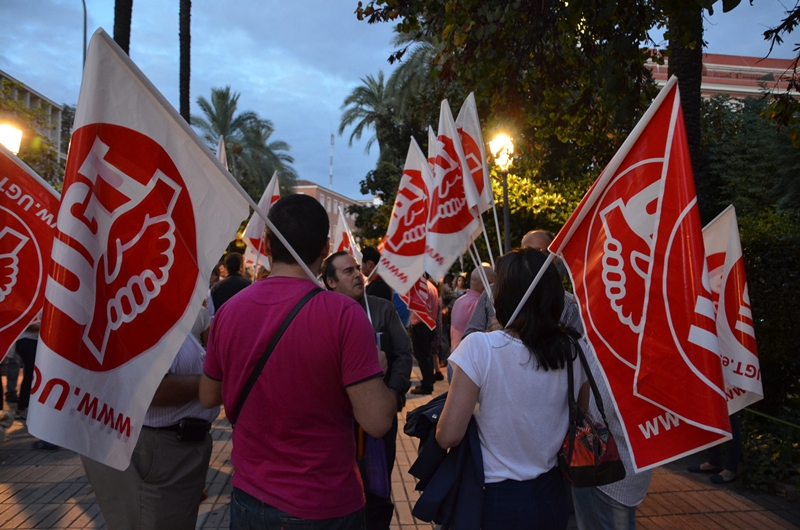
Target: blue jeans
[594,510]
[248,512]
[540,503]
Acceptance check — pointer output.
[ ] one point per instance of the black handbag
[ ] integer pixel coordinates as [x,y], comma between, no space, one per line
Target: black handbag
[589,455]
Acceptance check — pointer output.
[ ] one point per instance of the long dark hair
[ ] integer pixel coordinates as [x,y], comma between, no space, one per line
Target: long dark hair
[538,322]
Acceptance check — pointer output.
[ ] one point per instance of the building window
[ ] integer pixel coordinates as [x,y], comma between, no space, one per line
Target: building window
[329,204]
[322,200]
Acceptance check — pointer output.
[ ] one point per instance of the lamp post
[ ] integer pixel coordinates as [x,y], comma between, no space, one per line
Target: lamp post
[502,149]
[10,137]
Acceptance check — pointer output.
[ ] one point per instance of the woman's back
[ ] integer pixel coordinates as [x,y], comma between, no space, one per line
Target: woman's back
[522,411]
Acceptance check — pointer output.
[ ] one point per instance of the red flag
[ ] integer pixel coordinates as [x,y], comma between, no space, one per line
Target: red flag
[451,220]
[418,300]
[254,231]
[403,254]
[734,317]
[147,209]
[634,250]
[469,130]
[28,206]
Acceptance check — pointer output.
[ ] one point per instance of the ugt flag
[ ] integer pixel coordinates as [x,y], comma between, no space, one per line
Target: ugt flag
[254,231]
[146,211]
[469,131]
[343,238]
[452,220]
[418,299]
[28,206]
[403,255]
[634,251]
[734,317]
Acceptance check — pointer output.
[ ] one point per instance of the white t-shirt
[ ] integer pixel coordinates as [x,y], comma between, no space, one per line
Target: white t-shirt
[522,411]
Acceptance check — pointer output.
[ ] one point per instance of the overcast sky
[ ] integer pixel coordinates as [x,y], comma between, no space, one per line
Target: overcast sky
[293,62]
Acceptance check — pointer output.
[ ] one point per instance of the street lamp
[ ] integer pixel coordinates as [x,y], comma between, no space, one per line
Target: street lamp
[10,137]
[502,148]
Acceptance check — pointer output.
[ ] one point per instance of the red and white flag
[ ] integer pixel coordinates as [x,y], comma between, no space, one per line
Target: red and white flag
[431,150]
[418,300]
[28,206]
[146,211]
[469,130]
[403,255]
[253,235]
[343,238]
[734,317]
[634,250]
[452,220]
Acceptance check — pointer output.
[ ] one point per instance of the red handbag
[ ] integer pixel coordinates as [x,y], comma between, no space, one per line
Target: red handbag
[589,455]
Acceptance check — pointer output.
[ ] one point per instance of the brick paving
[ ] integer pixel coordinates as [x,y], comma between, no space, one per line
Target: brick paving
[50,490]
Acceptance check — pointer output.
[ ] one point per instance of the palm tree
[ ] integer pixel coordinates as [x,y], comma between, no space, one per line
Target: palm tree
[260,157]
[252,156]
[414,73]
[370,105]
[122,24]
[221,117]
[184,35]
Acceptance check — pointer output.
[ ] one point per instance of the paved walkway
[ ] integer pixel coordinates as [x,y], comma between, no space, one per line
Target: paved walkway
[50,490]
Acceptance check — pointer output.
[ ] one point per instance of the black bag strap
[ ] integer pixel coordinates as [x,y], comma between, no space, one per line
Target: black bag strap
[573,406]
[268,352]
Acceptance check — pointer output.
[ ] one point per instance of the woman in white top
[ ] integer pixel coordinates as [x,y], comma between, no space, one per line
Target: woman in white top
[518,379]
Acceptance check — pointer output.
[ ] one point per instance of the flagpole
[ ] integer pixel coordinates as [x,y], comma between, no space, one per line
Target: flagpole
[486,236]
[482,275]
[497,227]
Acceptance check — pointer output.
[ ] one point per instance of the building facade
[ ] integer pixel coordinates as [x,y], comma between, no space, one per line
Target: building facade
[331,201]
[734,75]
[32,99]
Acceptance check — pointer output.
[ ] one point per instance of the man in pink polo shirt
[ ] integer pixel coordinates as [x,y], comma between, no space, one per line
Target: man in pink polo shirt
[293,445]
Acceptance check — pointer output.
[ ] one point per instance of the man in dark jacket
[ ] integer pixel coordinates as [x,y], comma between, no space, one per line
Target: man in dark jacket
[342,274]
[224,290]
[377,286]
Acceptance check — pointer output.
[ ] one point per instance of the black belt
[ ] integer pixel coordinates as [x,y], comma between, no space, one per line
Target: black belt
[173,428]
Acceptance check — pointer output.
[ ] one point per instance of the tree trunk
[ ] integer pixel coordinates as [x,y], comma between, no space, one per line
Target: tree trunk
[122,24]
[186,54]
[686,62]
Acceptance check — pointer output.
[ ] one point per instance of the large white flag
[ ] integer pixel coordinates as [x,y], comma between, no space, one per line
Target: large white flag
[403,256]
[469,130]
[254,231]
[452,220]
[737,337]
[146,211]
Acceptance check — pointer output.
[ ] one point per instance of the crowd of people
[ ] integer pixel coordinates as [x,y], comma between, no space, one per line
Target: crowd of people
[312,380]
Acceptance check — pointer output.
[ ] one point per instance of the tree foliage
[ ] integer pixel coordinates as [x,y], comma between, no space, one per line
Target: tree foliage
[252,155]
[785,108]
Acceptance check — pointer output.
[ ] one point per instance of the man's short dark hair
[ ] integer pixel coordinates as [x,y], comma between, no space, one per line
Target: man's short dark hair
[328,269]
[233,262]
[370,254]
[304,223]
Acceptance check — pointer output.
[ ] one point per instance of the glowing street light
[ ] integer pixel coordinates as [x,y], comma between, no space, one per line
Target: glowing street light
[502,149]
[10,137]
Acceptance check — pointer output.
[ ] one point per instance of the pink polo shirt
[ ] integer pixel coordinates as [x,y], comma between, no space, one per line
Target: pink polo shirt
[293,444]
